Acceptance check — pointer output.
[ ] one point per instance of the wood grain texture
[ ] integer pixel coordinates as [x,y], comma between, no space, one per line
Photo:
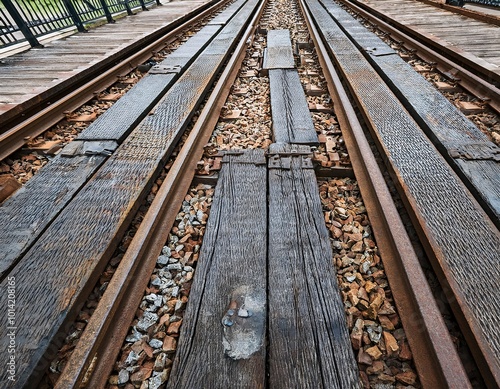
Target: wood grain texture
[437,116]
[217,347]
[62,266]
[309,345]
[26,214]
[428,21]
[292,122]
[279,54]
[456,228]
[117,122]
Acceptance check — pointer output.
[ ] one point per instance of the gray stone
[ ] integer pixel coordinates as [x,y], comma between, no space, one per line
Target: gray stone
[155,343]
[166,251]
[147,320]
[123,377]
[162,260]
[174,266]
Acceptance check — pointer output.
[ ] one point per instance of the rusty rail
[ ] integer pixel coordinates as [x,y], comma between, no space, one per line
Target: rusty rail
[107,328]
[49,109]
[437,362]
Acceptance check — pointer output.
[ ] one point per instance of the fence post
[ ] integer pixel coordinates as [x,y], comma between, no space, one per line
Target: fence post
[74,15]
[23,26]
[127,7]
[109,18]
[143,6]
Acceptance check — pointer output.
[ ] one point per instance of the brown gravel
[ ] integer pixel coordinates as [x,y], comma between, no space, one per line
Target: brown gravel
[379,341]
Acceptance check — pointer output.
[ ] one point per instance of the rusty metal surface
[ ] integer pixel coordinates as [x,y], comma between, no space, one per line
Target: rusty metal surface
[468,80]
[454,228]
[435,356]
[110,322]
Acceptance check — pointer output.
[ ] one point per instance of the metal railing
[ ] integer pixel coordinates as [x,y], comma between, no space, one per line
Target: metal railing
[495,3]
[27,20]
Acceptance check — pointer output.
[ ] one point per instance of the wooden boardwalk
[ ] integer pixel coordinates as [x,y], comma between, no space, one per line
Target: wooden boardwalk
[26,75]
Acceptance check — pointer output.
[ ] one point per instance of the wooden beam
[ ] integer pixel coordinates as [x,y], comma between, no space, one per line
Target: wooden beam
[222,341]
[309,345]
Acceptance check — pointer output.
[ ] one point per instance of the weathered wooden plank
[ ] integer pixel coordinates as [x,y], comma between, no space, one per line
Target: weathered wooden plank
[222,342]
[224,16]
[292,122]
[25,215]
[443,122]
[456,228]
[422,17]
[309,345]
[138,101]
[83,237]
[279,54]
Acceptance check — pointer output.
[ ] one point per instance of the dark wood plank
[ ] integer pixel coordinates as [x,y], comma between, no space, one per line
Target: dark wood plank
[222,342]
[66,177]
[309,345]
[292,122]
[441,120]
[117,122]
[279,53]
[59,270]
[25,215]
[455,228]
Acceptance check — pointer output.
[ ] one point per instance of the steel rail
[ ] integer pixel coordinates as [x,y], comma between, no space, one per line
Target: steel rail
[437,362]
[455,57]
[73,94]
[107,328]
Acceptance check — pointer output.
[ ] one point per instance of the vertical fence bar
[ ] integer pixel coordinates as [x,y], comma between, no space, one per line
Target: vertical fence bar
[109,18]
[23,27]
[74,15]
[127,6]
[143,6]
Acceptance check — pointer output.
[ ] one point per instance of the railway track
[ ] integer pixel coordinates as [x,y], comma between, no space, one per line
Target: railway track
[108,171]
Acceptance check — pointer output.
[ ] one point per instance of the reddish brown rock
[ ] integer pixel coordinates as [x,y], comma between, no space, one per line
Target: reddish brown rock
[374,352]
[357,334]
[408,377]
[173,328]
[169,344]
[364,358]
[391,344]
[405,353]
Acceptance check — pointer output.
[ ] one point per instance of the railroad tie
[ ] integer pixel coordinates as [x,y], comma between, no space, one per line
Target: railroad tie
[222,343]
[309,345]
[72,245]
[472,155]
[292,121]
[457,232]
